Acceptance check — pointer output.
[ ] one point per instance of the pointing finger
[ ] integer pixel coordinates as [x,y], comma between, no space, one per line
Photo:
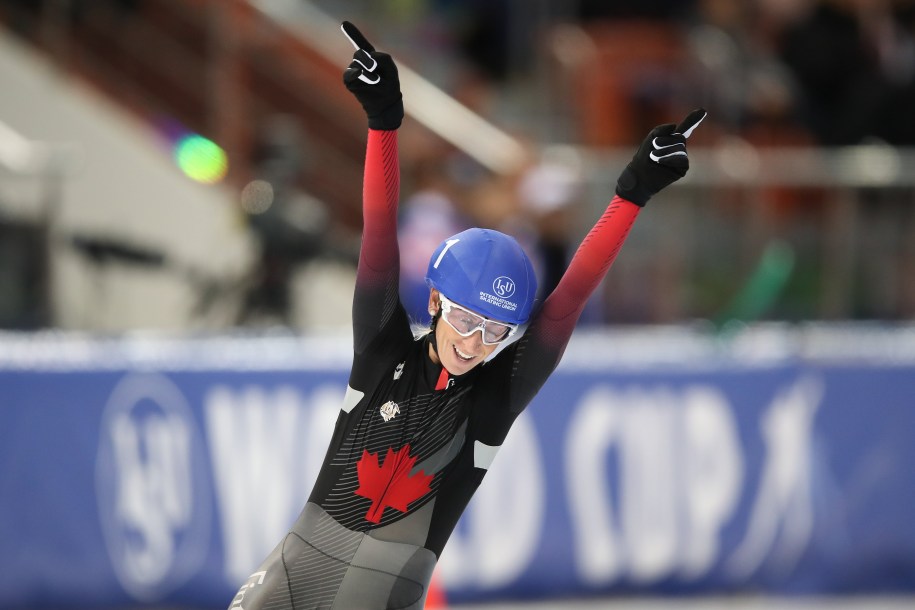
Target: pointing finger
[356,38]
[692,121]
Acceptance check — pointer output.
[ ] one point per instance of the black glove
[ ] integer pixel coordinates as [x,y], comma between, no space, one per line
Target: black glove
[660,161]
[372,77]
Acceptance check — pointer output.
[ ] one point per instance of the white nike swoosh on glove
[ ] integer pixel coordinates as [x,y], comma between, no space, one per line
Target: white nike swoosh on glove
[374,63]
[658,148]
[657,158]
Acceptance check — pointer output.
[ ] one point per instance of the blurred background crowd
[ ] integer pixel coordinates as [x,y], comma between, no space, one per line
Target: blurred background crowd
[799,206]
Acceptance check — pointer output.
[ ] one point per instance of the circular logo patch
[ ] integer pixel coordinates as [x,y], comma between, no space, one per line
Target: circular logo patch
[504,286]
[150,475]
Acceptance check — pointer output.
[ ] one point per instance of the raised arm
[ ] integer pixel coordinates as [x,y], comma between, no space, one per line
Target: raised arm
[372,78]
[660,160]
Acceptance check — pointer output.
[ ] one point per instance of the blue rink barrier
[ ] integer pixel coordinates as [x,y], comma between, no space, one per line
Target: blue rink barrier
[161,473]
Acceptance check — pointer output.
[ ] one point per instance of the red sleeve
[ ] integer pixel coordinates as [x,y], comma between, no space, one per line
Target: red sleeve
[590,264]
[532,359]
[380,195]
[376,299]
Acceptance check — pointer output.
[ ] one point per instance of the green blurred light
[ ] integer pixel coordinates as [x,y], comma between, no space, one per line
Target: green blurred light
[201,159]
[763,288]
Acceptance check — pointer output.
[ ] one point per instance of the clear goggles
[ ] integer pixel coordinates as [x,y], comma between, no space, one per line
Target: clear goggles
[465,323]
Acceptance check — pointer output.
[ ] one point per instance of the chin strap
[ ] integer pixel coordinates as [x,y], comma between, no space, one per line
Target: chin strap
[432,333]
[443,376]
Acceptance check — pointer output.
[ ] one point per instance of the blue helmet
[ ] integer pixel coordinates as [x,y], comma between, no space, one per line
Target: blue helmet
[485,271]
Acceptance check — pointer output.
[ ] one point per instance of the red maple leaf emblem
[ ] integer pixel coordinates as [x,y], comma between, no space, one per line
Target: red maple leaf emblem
[390,484]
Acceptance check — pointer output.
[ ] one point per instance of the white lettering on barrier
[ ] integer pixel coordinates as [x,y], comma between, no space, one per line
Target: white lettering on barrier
[155,490]
[784,494]
[594,429]
[504,520]
[151,488]
[711,476]
[266,448]
[668,467]
[649,501]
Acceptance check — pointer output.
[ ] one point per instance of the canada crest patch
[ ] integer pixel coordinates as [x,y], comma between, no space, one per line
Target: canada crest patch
[389,410]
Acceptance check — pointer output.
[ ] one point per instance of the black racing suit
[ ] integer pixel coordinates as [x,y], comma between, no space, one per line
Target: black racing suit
[411,444]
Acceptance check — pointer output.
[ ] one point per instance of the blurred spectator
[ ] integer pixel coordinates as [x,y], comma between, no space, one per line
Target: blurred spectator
[895,124]
[74,10]
[291,226]
[628,77]
[838,70]
[753,96]
[485,35]
[647,9]
[741,82]
[550,192]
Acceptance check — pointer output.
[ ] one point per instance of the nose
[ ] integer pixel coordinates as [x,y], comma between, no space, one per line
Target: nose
[474,342]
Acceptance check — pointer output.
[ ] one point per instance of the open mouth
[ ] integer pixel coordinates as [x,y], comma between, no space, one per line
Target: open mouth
[461,355]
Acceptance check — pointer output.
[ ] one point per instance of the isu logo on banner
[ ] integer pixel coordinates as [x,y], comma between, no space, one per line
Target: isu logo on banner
[152,486]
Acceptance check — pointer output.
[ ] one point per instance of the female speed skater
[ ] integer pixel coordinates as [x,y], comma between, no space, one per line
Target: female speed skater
[423,417]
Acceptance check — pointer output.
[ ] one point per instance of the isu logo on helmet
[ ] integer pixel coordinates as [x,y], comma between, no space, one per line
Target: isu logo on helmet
[504,287]
[463,267]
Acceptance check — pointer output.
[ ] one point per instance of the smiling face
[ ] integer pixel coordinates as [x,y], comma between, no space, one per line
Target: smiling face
[456,353]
